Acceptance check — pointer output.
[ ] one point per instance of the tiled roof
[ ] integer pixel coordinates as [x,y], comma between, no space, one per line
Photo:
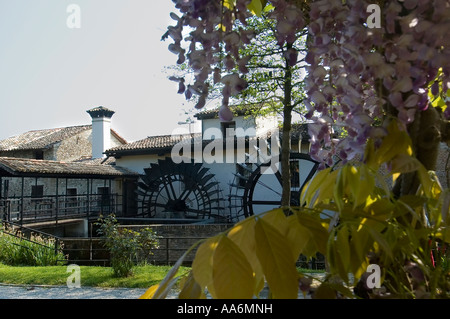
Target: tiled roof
[40,139]
[43,139]
[90,160]
[164,143]
[29,167]
[100,112]
[153,143]
[238,110]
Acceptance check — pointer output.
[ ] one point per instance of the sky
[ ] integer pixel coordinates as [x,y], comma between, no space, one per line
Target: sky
[51,74]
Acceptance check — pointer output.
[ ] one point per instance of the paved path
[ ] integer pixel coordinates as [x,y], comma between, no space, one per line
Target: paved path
[62,292]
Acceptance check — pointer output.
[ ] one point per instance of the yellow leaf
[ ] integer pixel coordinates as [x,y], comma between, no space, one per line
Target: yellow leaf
[169,281]
[339,188]
[150,292]
[315,225]
[202,266]
[310,192]
[395,143]
[403,163]
[230,4]
[277,219]
[256,7]
[276,261]
[232,273]
[190,288]
[243,235]
[327,188]
[425,180]
[299,238]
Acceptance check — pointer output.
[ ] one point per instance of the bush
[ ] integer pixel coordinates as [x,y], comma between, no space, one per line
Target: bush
[127,247]
[37,251]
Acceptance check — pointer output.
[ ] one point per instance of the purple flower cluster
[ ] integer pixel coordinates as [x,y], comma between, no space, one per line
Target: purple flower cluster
[356,76]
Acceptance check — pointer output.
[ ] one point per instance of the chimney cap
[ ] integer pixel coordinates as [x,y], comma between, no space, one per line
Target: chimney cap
[100,111]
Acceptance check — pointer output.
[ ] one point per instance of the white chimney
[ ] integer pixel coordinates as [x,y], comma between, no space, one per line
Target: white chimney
[101,130]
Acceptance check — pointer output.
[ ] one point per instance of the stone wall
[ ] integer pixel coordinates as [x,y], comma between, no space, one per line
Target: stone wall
[73,147]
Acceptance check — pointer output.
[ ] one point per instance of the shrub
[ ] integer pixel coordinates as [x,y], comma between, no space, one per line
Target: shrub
[127,247]
[35,251]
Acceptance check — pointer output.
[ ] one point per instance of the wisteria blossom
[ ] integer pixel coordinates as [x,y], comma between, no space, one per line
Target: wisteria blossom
[357,76]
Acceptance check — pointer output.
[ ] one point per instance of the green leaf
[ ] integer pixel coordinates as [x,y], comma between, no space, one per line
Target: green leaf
[256,7]
[343,251]
[359,245]
[232,273]
[275,256]
[381,241]
[325,291]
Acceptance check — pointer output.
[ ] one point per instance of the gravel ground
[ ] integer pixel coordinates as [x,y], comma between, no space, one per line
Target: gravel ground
[63,292]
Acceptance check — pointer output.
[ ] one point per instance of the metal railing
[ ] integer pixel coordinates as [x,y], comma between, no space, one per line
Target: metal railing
[29,209]
[27,234]
[90,251]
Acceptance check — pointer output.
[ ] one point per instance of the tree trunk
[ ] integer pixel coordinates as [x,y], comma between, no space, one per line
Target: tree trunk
[426,132]
[286,136]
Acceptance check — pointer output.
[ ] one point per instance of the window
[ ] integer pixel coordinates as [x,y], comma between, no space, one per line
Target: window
[39,155]
[71,197]
[104,196]
[37,192]
[228,129]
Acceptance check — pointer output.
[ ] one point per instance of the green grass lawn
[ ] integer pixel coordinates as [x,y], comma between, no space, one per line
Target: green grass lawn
[143,276]
[91,276]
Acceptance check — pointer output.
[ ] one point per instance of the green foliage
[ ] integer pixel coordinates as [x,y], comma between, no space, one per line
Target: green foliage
[438,96]
[38,251]
[127,247]
[350,215]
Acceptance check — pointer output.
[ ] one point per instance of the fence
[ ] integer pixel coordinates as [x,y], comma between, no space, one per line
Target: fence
[29,209]
[90,251]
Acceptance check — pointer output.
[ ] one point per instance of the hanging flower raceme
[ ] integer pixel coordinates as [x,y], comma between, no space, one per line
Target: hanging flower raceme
[212,35]
[357,74]
[371,72]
